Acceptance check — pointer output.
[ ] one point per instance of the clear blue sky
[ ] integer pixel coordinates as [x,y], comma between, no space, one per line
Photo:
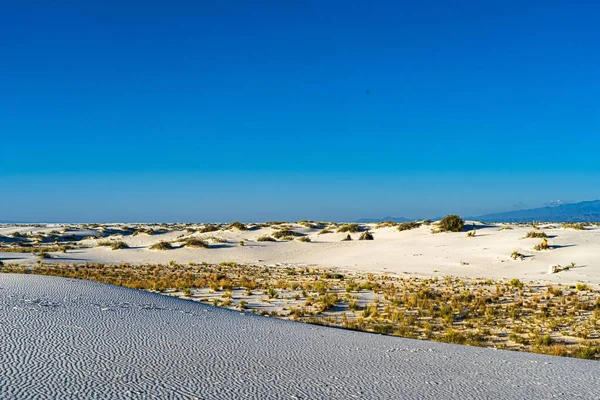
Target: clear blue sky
[223,110]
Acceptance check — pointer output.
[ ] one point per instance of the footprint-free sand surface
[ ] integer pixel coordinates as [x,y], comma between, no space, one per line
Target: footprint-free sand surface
[73,339]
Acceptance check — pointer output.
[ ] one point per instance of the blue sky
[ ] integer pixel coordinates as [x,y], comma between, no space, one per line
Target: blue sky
[228,110]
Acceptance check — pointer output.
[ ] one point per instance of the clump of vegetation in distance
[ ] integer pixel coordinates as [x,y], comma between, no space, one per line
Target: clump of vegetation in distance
[118,245]
[266,239]
[208,228]
[104,243]
[386,224]
[571,225]
[407,226]
[349,228]
[506,228]
[347,238]
[536,235]
[196,243]
[324,231]
[542,246]
[284,233]
[305,239]
[366,236]
[161,246]
[237,225]
[472,233]
[451,223]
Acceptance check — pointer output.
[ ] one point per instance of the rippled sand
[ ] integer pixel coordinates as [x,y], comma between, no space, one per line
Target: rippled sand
[74,339]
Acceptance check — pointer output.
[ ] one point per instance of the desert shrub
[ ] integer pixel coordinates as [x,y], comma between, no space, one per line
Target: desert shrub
[366,236]
[266,239]
[505,228]
[516,283]
[324,231]
[196,243]
[161,246]
[407,226]
[104,243]
[571,225]
[386,224]
[208,228]
[304,239]
[451,223]
[582,287]
[472,233]
[347,238]
[515,254]
[118,245]
[237,225]
[350,228]
[284,233]
[536,235]
[542,246]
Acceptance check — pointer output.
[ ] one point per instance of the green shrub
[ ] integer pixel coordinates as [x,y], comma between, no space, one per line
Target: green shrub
[451,223]
[208,228]
[577,226]
[407,226]
[237,225]
[542,246]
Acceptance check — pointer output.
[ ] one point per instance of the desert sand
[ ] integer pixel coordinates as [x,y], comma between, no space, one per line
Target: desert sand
[417,251]
[65,338]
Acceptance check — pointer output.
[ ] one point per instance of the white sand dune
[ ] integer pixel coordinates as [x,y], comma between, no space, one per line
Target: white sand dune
[416,251]
[73,339]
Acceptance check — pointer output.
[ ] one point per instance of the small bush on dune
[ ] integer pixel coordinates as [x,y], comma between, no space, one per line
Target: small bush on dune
[472,233]
[237,225]
[196,243]
[266,239]
[386,224]
[118,245]
[577,226]
[208,228]
[285,233]
[542,246]
[536,235]
[104,243]
[161,246]
[347,238]
[451,223]
[305,239]
[505,228]
[515,254]
[349,228]
[324,231]
[366,236]
[407,226]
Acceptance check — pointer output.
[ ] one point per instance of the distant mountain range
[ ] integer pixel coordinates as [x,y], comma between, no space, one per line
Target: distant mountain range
[585,211]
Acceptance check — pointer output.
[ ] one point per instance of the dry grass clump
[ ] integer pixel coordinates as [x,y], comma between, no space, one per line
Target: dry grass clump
[536,235]
[304,239]
[118,245]
[386,224]
[572,225]
[349,228]
[515,254]
[237,225]
[196,243]
[472,233]
[285,234]
[366,236]
[266,239]
[542,246]
[324,231]
[506,228]
[208,228]
[451,223]
[347,238]
[407,226]
[162,245]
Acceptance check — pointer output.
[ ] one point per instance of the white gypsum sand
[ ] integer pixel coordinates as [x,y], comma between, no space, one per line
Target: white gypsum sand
[65,338]
[417,251]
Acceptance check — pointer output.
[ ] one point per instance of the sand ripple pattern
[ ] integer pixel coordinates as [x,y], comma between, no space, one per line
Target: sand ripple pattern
[69,339]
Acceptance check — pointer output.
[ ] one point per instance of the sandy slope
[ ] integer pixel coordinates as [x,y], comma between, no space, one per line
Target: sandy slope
[417,251]
[75,339]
